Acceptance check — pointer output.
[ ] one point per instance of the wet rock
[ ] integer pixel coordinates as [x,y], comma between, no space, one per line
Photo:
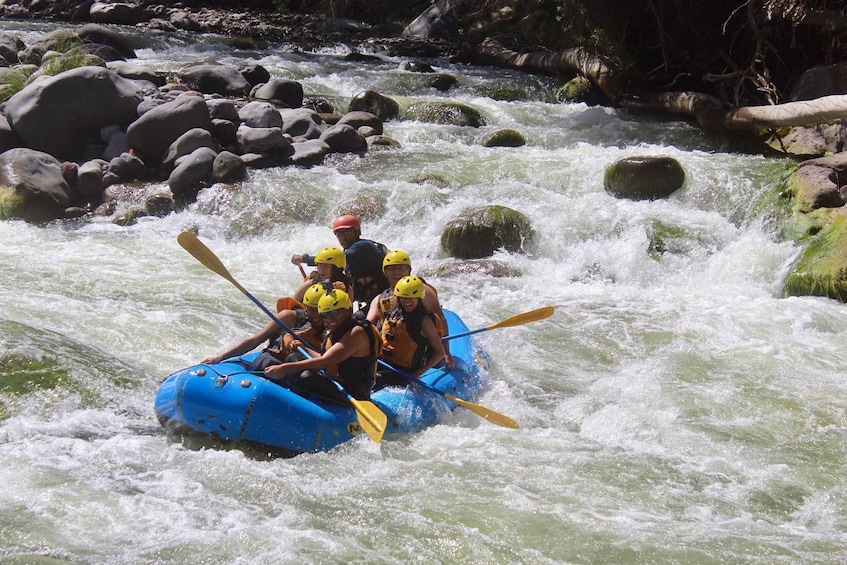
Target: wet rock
[479,232]
[644,178]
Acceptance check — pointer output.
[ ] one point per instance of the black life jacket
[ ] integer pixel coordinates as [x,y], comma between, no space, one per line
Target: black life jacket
[357,374]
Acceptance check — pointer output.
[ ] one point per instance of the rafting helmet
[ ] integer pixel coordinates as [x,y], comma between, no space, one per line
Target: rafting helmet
[313,295]
[410,287]
[396,257]
[334,300]
[345,222]
[331,256]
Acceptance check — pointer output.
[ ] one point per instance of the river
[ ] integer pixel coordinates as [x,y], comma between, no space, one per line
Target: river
[675,409]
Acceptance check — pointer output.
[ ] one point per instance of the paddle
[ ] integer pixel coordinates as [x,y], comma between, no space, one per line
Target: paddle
[517,320]
[303,271]
[482,411]
[371,418]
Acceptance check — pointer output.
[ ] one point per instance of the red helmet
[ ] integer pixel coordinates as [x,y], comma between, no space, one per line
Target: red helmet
[345,222]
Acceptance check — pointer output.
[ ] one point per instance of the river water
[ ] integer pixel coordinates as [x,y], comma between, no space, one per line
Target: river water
[675,409]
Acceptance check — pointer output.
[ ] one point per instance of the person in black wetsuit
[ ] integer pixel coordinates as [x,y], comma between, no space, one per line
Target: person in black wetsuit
[364,259]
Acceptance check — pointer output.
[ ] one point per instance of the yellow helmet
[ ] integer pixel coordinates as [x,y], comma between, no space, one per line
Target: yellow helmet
[331,256]
[410,287]
[396,257]
[334,300]
[313,295]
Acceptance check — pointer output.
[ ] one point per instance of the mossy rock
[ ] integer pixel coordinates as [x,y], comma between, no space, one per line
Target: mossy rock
[17,206]
[12,204]
[479,232]
[821,270]
[490,267]
[446,113]
[664,238]
[644,178]
[443,82]
[504,138]
[379,105]
[579,89]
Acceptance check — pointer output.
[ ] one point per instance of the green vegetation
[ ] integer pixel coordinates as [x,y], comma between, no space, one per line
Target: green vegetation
[65,55]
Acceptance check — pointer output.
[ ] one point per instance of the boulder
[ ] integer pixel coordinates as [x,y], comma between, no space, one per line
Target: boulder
[9,47]
[192,172]
[821,270]
[134,71]
[121,13]
[504,138]
[62,114]
[8,138]
[437,21]
[819,183]
[644,178]
[260,140]
[214,78]
[153,133]
[304,123]
[479,232]
[445,113]
[260,115]
[343,138]
[359,119]
[382,107]
[32,186]
[287,93]
[309,153]
[101,35]
[187,143]
[228,167]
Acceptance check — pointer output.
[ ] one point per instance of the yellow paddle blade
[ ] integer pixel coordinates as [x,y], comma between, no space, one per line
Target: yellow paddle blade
[372,419]
[525,318]
[199,251]
[486,413]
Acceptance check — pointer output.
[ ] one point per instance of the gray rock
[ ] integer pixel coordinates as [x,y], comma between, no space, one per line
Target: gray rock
[213,78]
[342,138]
[260,115]
[192,171]
[228,167]
[62,114]
[288,93]
[32,186]
[302,122]
[153,132]
[259,140]
[187,143]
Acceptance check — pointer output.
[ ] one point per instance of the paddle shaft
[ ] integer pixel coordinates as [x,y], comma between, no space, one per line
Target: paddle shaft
[516,320]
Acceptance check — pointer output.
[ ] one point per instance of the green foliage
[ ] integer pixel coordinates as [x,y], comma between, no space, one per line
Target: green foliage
[65,55]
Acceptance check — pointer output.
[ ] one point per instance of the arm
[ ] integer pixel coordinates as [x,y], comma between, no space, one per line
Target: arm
[432,304]
[374,315]
[302,258]
[350,345]
[436,348]
[267,332]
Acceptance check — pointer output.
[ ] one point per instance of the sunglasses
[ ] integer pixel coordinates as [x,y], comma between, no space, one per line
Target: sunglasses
[330,314]
[346,231]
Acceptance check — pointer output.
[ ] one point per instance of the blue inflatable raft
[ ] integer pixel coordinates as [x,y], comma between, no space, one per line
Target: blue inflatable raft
[227,401]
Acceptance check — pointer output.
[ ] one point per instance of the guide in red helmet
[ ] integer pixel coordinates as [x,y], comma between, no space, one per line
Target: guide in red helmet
[364,258]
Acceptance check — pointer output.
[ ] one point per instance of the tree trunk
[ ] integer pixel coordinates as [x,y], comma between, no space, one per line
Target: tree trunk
[707,109]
